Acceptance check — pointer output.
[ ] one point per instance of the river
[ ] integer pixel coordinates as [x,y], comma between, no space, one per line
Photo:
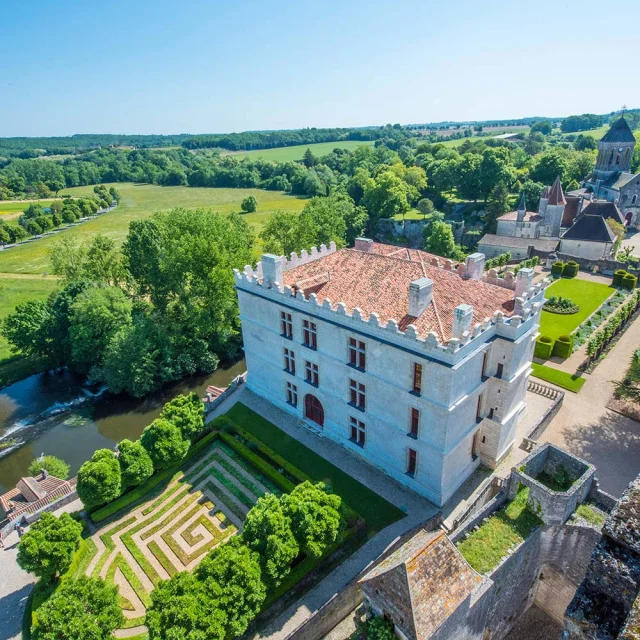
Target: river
[58,415]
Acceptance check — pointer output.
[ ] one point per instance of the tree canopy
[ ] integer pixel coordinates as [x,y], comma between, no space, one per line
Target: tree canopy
[164,442]
[99,479]
[135,463]
[52,465]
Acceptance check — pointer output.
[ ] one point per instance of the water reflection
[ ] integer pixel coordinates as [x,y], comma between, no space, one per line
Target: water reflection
[56,415]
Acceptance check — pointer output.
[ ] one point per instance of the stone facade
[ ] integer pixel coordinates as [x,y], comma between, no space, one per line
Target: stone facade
[473,386]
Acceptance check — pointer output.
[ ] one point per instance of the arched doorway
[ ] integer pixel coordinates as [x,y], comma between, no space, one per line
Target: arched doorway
[313,409]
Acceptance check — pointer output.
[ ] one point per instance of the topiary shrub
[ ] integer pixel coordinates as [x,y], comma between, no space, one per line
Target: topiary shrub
[617,277]
[629,281]
[570,269]
[544,347]
[557,268]
[563,306]
[563,347]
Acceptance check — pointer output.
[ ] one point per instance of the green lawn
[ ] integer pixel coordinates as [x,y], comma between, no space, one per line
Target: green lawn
[560,378]
[12,209]
[484,548]
[414,214]
[375,510]
[14,290]
[586,294]
[141,201]
[283,154]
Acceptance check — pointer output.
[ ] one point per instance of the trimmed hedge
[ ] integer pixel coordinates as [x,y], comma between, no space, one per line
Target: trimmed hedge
[544,347]
[617,277]
[570,269]
[557,268]
[629,281]
[563,347]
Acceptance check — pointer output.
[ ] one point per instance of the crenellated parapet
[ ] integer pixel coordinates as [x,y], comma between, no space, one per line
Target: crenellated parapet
[527,308]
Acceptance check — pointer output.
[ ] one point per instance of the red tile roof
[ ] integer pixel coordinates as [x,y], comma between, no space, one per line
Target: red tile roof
[378,281]
[556,195]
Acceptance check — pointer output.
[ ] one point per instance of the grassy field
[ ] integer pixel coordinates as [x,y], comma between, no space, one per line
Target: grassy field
[283,154]
[139,202]
[15,289]
[586,294]
[598,133]
[14,209]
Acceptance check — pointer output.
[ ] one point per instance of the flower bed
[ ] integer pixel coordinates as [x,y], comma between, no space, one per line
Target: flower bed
[562,306]
[582,333]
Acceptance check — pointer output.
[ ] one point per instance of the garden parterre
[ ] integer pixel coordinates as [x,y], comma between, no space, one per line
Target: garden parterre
[198,510]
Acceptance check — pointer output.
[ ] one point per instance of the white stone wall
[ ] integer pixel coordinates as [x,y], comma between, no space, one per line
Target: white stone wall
[586,249]
[452,382]
[491,251]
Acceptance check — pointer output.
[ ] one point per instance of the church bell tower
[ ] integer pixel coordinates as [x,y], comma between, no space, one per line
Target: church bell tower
[615,150]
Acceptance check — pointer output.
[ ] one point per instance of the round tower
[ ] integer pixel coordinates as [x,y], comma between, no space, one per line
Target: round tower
[615,149]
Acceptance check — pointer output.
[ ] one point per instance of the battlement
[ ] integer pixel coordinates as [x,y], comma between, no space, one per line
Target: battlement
[527,307]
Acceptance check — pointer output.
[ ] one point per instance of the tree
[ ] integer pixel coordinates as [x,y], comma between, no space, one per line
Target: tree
[619,230]
[497,205]
[249,204]
[385,196]
[548,166]
[182,609]
[187,413]
[235,569]
[267,530]
[323,220]
[136,465]
[534,143]
[281,234]
[308,159]
[55,185]
[26,328]
[585,143]
[425,207]
[99,479]
[532,192]
[97,314]
[164,442]
[53,466]
[441,242]
[315,517]
[542,126]
[47,548]
[82,609]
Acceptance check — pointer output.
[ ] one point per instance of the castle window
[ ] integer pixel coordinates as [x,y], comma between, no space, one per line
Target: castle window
[412,462]
[311,373]
[290,361]
[611,158]
[357,429]
[357,354]
[286,325]
[292,394]
[417,378]
[310,336]
[357,395]
[618,158]
[634,199]
[414,423]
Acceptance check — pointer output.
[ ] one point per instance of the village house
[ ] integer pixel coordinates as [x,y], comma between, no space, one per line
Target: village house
[416,366]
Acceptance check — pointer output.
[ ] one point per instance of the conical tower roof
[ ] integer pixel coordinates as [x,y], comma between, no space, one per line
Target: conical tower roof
[556,195]
[619,132]
[523,205]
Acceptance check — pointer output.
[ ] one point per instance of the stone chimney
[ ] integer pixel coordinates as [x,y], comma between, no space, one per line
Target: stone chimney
[462,319]
[524,281]
[364,244]
[420,295]
[272,270]
[474,266]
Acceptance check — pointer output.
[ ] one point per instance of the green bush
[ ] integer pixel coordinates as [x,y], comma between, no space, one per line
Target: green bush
[557,268]
[563,347]
[570,269]
[629,281]
[544,347]
[617,277]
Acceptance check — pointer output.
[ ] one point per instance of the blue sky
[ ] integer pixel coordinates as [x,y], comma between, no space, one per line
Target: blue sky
[141,66]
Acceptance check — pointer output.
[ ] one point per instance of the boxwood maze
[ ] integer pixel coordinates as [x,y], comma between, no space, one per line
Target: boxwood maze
[198,510]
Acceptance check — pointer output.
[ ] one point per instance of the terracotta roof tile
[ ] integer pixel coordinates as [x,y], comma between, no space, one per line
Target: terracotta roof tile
[529,216]
[378,281]
[556,195]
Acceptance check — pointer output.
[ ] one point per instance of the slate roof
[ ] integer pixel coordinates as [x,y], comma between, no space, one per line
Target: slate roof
[556,195]
[378,281]
[529,216]
[590,229]
[540,244]
[619,132]
[421,584]
[622,179]
[604,209]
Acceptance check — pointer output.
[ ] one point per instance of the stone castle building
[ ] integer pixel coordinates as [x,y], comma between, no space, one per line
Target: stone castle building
[417,367]
[612,179]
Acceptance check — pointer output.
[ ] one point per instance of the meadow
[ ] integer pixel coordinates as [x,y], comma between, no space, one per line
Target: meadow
[140,201]
[284,154]
[10,210]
